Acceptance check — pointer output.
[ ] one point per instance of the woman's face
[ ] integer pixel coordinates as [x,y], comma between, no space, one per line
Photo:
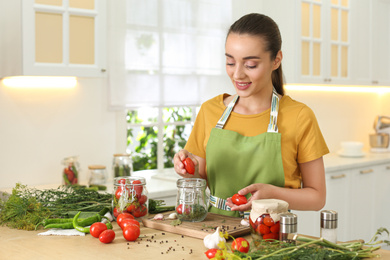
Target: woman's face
[248,65]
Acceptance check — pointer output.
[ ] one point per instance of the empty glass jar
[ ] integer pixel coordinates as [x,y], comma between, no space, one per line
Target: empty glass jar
[191,200]
[97,175]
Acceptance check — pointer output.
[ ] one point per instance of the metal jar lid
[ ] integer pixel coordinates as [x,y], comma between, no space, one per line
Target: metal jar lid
[329,219]
[288,222]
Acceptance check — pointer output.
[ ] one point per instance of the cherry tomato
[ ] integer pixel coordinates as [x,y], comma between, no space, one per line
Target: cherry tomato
[140,211]
[189,165]
[187,209]
[212,253]
[119,191]
[131,208]
[263,229]
[129,221]
[107,236]
[116,212]
[142,199]
[239,199]
[275,228]
[123,216]
[138,188]
[131,232]
[268,221]
[122,181]
[240,244]
[271,236]
[97,228]
[254,225]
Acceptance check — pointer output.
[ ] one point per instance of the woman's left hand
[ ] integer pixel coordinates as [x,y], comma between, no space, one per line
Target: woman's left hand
[258,191]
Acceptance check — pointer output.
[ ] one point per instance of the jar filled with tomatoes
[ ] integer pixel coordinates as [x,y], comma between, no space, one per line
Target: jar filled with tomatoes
[264,218]
[70,173]
[130,195]
[191,199]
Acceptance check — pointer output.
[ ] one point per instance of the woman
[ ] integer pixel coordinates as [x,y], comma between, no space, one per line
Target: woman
[259,143]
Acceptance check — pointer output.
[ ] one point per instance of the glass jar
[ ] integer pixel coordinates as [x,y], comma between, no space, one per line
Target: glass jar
[97,175]
[122,165]
[70,173]
[191,199]
[329,225]
[264,218]
[130,195]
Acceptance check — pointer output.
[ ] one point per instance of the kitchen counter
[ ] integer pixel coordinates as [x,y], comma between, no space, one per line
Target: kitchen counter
[155,244]
[335,162]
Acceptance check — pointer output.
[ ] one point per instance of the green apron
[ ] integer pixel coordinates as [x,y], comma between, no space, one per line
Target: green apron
[235,161]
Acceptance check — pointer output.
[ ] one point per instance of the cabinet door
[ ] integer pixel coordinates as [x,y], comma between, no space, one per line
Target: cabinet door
[63,37]
[337,198]
[382,198]
[361,204]
[380,42]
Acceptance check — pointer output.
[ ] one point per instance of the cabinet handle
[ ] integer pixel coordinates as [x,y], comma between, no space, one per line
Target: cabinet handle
[366,171]
[333,177]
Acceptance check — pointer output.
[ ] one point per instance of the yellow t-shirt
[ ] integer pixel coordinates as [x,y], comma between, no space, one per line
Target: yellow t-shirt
[302,140]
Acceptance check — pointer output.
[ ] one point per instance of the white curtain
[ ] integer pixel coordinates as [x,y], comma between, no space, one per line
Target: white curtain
[167,52]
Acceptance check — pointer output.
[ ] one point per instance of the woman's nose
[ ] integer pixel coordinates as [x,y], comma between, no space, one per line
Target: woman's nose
[239,72]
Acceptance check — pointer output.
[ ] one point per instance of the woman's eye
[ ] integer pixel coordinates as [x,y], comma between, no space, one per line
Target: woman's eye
[251,67]
[229,64]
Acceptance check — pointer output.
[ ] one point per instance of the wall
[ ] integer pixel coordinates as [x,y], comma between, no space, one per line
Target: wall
[39,127]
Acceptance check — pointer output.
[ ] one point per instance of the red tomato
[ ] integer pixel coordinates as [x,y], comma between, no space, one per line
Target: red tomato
[129,221]
[131,208]
[212,253]
[142,199]
[119,192]
[271,236]
[275,228]
[123,216]
[97,228]
[254,225]
[189,165]
[187,209]
[263,229]
[131,232]
[239,199]
[137,186]
[140,211]
[116,212]
[240,244]
[122,181]
[107,236]
[268,221]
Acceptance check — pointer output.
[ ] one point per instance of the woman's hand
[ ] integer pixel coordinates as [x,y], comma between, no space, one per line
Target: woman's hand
[258,191]
[179,166]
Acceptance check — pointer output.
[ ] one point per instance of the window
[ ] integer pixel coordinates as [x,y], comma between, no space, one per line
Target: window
[166,58]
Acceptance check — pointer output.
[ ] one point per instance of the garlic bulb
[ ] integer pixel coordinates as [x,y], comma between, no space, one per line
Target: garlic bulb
[212,240]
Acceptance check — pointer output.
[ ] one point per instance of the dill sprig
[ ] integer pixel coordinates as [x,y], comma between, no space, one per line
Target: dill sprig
[25,207]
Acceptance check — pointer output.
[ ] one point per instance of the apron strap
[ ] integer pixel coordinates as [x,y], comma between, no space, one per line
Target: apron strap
[273,119]
[226,113]
[219,203]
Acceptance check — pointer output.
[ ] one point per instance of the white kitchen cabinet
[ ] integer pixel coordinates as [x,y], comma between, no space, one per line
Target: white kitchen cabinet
[371,37]
[53,38]
[382,198]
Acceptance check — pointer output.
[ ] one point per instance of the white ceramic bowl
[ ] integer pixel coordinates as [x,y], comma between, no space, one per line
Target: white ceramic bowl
[351,148]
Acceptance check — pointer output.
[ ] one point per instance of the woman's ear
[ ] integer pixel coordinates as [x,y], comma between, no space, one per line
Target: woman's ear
[277,60]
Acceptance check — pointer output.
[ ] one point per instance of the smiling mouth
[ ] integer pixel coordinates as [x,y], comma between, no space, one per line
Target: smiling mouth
[243,85]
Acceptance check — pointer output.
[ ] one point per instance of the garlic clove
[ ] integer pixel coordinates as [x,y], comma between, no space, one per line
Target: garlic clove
[212,240]
[172,216]
[158,217]
[244,222]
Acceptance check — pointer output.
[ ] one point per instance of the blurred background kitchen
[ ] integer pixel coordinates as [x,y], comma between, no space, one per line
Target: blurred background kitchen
[132,60]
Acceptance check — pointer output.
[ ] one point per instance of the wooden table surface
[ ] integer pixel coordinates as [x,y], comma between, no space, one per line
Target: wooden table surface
[20,244]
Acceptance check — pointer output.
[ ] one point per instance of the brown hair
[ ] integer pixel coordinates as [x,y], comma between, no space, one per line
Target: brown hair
[263,26]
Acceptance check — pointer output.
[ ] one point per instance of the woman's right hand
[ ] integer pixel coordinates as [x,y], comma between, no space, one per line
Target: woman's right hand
[179,166]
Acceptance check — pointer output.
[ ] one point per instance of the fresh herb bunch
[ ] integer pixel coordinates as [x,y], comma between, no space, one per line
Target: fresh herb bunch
[158,206]
[307,248]
[196,213]
[26,207]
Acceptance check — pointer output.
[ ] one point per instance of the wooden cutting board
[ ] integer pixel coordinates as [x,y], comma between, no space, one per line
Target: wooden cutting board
[200,229]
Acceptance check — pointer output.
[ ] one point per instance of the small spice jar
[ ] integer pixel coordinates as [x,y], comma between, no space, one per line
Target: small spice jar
[329,225]
[264,218]
[97,175]
[191,199]
[130,195]
[122,165]
[70,173]
[288,227]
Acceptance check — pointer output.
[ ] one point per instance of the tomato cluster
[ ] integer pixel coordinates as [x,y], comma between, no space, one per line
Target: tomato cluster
[70,175]
[264,227]
[130,197]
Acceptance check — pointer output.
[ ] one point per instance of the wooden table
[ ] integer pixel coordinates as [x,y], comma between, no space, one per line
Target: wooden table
[20,244]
